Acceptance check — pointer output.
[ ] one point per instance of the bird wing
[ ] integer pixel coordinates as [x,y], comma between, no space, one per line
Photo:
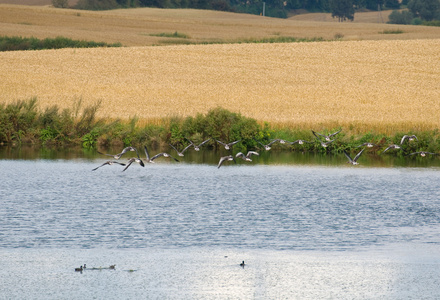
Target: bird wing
[186,148]
[107,154]
[146,153]
[327,143]
[204,142]
[175,159]
[222,159]
[403,139]
[174,148]
[233,143]
[130,161]
[220,142]
[106,163]
[157,155]
[274,141]
[413,153]
[239,154]
[251,153]
[335,133]
[357,155]
[348,156]
[388,148]
[316,134]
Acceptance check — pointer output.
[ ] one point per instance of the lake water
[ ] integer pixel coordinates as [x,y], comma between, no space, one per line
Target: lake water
[180,230]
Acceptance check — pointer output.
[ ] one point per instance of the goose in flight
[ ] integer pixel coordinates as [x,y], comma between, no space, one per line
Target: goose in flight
[409,138]
[369,145]
[281,141]
[151,160]
[326,144]
[300,142]
[422,153]
[267,146]
[393,146]
[132,160]
[225,158]
[180,153]
[125,150]
[326,137]
[197,147]
[164,154]
[228,145]
[110,162]
[353,161]
[246,157]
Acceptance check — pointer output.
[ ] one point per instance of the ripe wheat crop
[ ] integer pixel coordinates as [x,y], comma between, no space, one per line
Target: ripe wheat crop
[362,86]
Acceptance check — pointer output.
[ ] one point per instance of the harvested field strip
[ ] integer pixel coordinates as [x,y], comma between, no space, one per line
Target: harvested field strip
[384,86]
[133,27]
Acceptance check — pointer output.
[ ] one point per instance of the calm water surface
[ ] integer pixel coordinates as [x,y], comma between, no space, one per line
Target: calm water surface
[180,230]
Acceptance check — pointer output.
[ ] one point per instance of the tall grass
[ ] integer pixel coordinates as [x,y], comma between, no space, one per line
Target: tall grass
[23,122]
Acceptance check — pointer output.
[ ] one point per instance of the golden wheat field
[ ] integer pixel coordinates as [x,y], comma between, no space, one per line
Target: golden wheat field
[378,85]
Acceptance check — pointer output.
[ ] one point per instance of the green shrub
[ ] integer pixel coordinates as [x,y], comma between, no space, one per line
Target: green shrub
[96,4]
[416,21]
[404,17]
[432,23]
[21,43]
[60,3]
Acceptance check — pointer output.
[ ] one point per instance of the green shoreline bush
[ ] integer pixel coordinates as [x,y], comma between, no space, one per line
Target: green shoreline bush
[22,122]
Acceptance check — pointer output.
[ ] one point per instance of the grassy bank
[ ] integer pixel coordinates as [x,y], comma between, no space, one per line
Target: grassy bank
[22,122]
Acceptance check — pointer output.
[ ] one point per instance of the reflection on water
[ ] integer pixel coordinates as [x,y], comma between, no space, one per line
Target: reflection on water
[272,157]
[306,231]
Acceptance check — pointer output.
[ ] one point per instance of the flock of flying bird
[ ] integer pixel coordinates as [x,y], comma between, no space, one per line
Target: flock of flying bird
[325,141]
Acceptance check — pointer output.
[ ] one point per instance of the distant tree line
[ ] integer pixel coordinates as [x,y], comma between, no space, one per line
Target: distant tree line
[419,12]
[427,10]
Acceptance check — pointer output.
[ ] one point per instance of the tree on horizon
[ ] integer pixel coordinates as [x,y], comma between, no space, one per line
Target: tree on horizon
[342,9]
